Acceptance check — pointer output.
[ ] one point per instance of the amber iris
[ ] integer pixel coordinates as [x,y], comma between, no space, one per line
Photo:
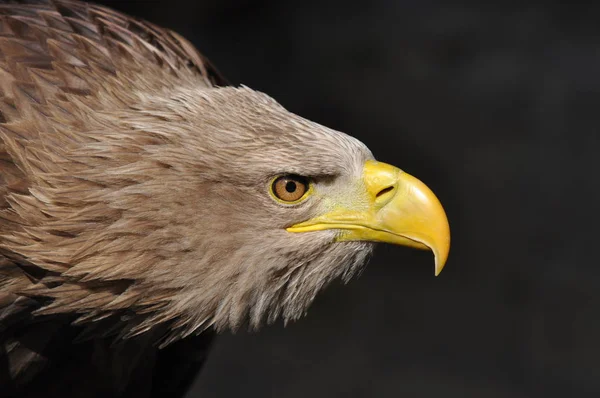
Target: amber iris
[290,188]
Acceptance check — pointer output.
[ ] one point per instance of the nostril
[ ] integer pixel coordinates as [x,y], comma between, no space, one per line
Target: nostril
[384,191]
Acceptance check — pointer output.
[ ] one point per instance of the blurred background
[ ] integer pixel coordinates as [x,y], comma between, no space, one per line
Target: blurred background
[497,108]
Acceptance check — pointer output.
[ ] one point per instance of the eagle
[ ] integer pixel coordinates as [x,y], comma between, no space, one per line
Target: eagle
[146,204]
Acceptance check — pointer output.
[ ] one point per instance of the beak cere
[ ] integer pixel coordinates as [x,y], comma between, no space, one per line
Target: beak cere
[400,210]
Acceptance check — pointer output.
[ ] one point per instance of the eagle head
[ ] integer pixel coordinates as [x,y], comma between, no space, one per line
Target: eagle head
[137,189]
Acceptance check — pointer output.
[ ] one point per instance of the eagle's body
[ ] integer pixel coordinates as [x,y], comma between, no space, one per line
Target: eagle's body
[134,205]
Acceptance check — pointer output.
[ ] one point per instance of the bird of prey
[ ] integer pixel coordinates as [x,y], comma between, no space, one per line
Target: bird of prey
[144,203]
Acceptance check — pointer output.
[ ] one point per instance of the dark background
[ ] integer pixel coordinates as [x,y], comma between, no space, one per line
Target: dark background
[496,108]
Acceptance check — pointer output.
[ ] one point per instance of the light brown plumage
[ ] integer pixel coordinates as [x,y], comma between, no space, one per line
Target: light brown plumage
[137,205]
[132,195]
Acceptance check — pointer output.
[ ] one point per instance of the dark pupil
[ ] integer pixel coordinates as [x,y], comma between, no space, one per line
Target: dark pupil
[290,186]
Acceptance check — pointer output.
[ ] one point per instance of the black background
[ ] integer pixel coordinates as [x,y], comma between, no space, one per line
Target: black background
[496,108]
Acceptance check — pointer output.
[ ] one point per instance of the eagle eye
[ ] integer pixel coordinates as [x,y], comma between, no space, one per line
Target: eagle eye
[290,188]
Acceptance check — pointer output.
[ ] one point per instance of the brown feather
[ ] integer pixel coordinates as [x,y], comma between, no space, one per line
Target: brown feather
[52,54]
[133,208]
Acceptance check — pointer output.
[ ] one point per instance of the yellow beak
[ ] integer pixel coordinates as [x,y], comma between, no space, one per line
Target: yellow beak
[396,208]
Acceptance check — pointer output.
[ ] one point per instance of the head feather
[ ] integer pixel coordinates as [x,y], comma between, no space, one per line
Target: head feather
[134,185]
